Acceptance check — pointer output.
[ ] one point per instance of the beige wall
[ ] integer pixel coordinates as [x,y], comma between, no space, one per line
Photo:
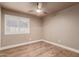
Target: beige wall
[63,27]
[35,28]
[0,26]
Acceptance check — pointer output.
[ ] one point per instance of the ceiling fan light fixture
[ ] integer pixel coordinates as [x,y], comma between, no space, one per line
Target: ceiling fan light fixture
[39,10]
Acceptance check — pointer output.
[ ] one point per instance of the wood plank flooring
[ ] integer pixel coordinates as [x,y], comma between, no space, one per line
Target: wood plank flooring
[39,49]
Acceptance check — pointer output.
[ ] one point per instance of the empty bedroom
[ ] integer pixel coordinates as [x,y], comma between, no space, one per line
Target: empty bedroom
[39,29]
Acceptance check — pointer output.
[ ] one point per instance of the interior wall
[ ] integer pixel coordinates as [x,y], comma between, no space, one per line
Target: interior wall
[35,30]
[63,27]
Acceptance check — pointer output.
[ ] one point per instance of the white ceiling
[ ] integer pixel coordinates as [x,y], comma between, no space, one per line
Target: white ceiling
[49,7]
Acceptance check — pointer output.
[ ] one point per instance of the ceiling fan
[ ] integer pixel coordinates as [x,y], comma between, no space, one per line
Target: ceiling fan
[39,8]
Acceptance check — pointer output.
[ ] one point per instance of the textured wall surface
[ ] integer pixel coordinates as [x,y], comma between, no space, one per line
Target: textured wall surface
[35,30]
[63,27]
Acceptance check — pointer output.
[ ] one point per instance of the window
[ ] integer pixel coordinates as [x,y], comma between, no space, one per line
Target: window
[16,24]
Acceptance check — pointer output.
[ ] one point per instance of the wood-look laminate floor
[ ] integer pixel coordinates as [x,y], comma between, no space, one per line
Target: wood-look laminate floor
[39,49]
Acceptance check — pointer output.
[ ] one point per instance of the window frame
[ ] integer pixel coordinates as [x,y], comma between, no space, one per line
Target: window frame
[10,33]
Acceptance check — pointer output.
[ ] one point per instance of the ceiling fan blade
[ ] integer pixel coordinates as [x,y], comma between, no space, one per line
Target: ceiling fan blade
[31,11]
[45,12]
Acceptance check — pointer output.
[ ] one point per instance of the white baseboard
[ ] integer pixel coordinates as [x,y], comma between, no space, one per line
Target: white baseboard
[12,46]
[59,45]
[62,46]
